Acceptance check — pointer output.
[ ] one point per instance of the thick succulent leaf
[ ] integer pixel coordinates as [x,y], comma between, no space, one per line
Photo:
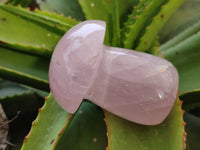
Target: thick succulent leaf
[182,36]
[45,129]
[123,134]
[138,21]
[20,24]
[62,20]
[185,56]
[21,110]
[86,130]
[191,105]
[24,68]
[147,40]
[9,89]
[90,6]
[67,7]
[36,33]
[187,15]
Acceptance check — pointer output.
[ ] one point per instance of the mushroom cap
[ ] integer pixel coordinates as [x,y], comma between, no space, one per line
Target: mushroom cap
[74,62]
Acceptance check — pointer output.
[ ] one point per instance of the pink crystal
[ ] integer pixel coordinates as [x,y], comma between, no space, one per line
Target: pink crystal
[133,85]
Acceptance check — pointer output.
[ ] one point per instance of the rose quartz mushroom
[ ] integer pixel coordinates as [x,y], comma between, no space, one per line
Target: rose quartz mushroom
[136,86]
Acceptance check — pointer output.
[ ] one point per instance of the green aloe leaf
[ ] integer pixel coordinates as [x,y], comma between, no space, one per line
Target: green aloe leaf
[93,8]
[63,22]
[8,89]
[187,15]
[66,7]
[33,32]
[50,121]
[86,130]
[138,21]
[191,105]
[182,36]
[123,134]
[158,21]
[185,56]
[24,68]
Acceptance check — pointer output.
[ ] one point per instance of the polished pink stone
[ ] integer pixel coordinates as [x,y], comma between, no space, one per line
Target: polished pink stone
[133,85]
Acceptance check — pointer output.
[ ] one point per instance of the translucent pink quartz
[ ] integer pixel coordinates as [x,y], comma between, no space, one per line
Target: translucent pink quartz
[133,85]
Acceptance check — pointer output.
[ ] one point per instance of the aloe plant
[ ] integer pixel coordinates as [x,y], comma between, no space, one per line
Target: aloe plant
[166,28]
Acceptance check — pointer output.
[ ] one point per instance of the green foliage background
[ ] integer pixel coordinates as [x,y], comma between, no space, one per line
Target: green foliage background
[166,28]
